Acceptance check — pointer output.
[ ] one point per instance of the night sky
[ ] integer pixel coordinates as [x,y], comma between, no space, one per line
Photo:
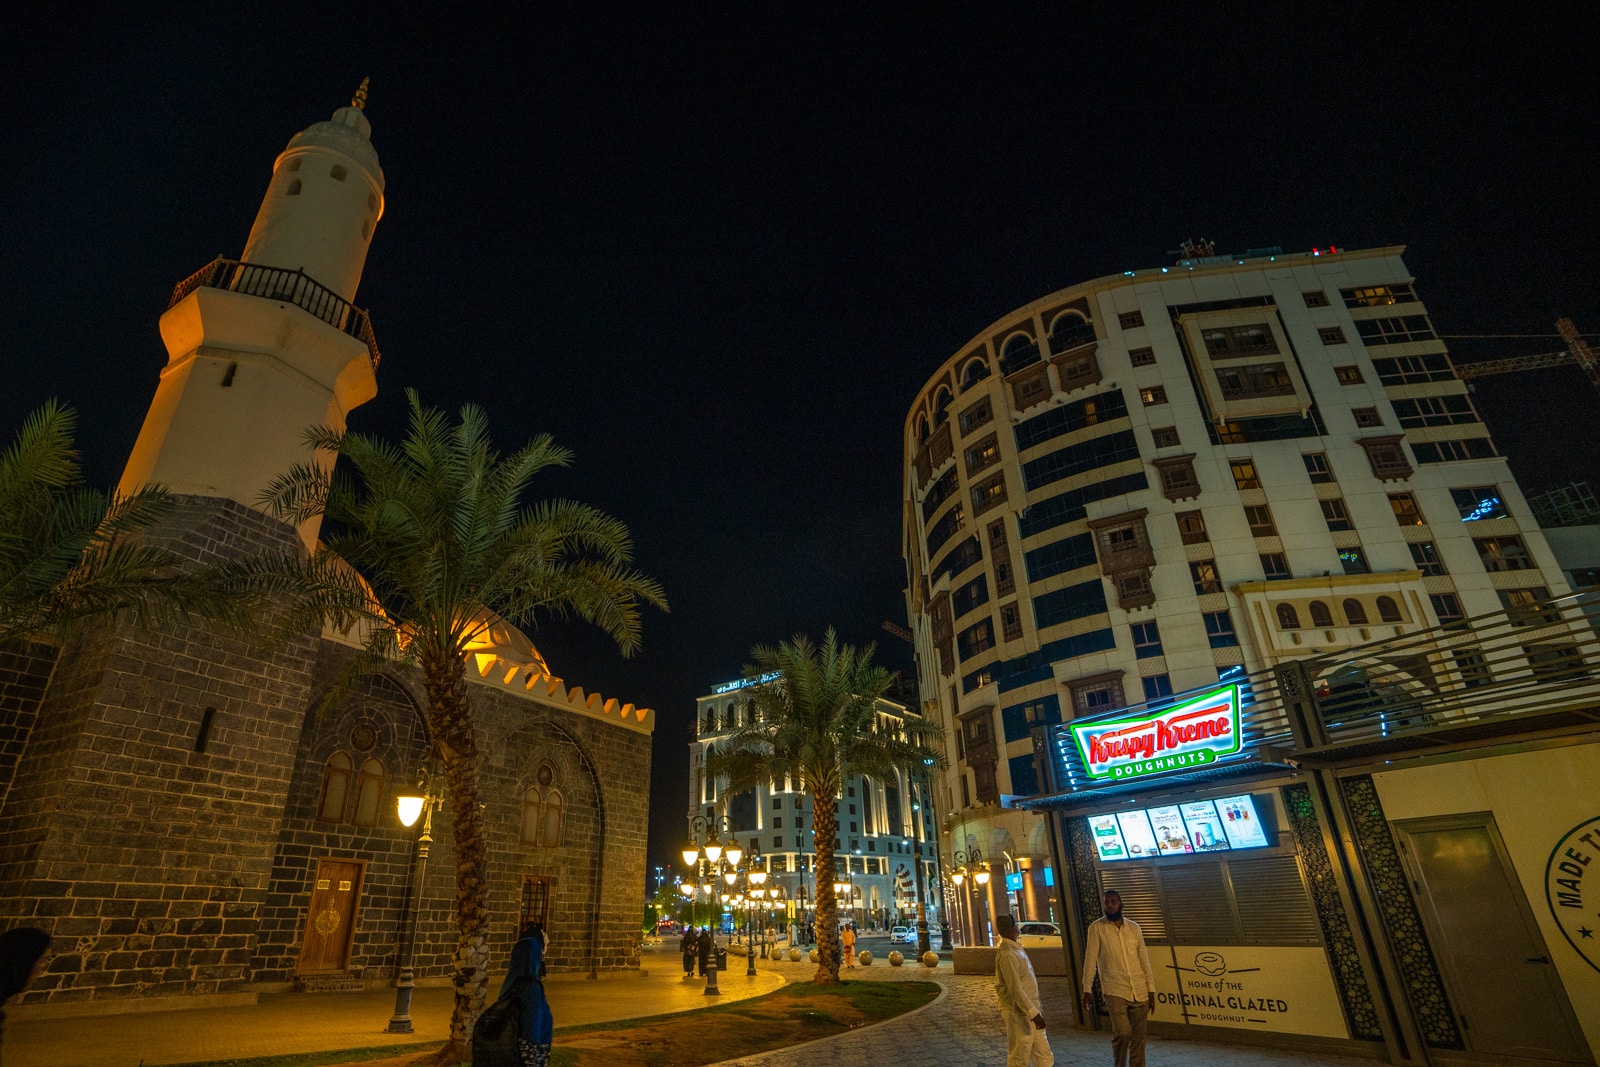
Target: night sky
[718,257]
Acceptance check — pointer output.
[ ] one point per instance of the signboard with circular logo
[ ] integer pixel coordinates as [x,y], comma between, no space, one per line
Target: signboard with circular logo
[1572,888]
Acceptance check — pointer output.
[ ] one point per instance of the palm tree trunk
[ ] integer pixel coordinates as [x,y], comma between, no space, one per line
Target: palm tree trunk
[824,825]
[450,716]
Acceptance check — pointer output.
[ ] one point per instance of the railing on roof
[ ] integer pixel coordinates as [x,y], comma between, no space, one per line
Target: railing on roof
[1529,669]
[292,286]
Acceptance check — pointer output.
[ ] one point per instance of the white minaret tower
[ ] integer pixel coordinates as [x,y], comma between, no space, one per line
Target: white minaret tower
[261,349]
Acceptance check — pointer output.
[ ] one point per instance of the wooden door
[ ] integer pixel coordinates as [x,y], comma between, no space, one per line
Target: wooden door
[331,919]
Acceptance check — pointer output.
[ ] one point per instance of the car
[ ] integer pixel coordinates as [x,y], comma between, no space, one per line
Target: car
[1038,935]
[906,934]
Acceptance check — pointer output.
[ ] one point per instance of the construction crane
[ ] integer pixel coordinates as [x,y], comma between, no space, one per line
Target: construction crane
[1577,351]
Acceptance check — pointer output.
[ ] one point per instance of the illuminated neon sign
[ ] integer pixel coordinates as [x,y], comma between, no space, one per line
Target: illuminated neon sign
[1183,737]
[728,687]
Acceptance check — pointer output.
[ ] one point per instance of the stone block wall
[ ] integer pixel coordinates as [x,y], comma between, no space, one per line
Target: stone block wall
[146,860]
[25,669]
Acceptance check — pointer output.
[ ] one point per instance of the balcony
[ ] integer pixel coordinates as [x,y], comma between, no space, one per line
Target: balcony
[289,286]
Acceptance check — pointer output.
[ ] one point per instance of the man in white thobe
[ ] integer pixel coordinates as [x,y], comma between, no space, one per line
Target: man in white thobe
[1018,991]
[1117,952]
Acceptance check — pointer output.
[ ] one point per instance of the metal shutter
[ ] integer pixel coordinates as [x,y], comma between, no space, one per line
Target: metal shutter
[1274,907]
[1141,897]
[1198,909]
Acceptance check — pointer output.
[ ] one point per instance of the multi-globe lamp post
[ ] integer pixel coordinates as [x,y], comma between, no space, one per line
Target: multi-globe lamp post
[716,859]
[979,872]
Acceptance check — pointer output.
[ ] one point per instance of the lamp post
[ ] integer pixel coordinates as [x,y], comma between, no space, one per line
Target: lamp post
[755,877]
[410,806]
[979,872]
[923,946]
[719,859]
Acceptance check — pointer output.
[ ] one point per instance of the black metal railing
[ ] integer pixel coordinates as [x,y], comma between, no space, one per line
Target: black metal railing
[292,286]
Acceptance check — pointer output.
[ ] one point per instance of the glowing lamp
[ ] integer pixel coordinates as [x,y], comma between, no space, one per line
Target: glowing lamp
[734,854]
[713,851]
[982,876]
[691,856]
[958,877]
[730,876]
[686,889]
[410,809]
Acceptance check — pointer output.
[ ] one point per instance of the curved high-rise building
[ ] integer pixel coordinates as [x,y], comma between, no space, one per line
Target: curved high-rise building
[1145,483]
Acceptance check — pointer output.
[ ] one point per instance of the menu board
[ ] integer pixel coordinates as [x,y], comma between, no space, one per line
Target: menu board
[1241,822]
[1172,838]
[1107,838]
[1205,826]
[1137,835]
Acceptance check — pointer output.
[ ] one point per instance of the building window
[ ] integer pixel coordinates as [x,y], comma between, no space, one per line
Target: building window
[1019,352]
[975,639]
[1350,375]
[1203,572]
[1098,693]
[1317,468]
[1502,553]
[1335,515]
[1010,621]
[1315,298]
[1354,561]
[983,454]
[336,774]
[1448,608]
[1473,668]
[1378,295]
[1219,629]
[987,494]
[1165,437]
[1156,686]
[1320,615]
[369,793]
[1400,329]
[1388,610]
[1354,613]
[1405,509]
[1523,606]
[1129,319]
[1192,528]
[1453,409]
[1244,474]
[1142,357]
[1387,458]
[1555,662]
[1146,640]
[1259,516]
[1426,556]
[1367,418]
[1275,566]
[979,414]
[1333,335]
[1288,617]
[1151,395]
[969,596]
[1133,589]
[1479,502]
[1254,380]
[1454,451]
[1228,342]
[974,372]
[1070,330]
[1178,480]
[1004,583]
[1079,371]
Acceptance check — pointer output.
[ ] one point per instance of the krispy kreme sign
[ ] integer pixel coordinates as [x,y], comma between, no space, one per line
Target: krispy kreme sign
[1188,735]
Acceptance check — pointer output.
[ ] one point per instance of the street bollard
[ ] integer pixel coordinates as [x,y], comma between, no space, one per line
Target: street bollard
[711,976]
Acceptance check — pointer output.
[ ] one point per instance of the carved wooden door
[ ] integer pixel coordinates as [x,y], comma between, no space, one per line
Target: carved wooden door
[331,919]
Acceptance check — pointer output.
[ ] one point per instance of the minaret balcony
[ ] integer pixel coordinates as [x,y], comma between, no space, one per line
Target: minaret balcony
[289,286]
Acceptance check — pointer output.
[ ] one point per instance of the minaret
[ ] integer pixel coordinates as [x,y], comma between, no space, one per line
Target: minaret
[262,348]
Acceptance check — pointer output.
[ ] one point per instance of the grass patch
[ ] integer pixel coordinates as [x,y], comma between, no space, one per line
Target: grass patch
[787,1016]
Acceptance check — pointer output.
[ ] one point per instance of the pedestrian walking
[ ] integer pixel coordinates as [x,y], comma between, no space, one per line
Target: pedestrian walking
[702,949]
[847,937]
[1116,951]
[1021,1010]
[687,949]
[520,1017]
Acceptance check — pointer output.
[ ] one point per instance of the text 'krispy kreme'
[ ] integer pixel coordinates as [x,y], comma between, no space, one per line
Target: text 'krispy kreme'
[1191,734]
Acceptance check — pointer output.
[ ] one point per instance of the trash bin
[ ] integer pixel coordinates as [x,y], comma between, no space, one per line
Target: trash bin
[722,959]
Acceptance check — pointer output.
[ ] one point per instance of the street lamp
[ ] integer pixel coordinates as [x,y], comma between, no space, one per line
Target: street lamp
[410,807]
[979,872]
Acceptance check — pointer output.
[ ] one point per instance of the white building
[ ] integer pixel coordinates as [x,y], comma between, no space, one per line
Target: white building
[884,827]
[1145,483]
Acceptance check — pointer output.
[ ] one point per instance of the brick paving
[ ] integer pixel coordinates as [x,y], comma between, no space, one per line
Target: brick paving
[959,1029]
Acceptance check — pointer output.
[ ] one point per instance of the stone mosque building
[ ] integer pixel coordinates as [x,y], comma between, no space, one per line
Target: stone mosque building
[174,811]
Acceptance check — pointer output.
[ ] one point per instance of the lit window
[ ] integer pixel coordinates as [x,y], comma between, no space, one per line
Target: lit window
[336,774]
[1348,375]
[1151,395]
[1523,606]
[1244,474]
[1405,509]
[1502,553]
[1378,295]
[1479,502]
[1354,561]
[1204,574]
[1192,528]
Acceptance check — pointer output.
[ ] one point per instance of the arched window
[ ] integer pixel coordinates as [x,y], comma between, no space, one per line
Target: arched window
[1388,610]
[974,372]
[531,806]
[1019,352]
[1069,331]
[941,406]
[369,793]
[922,428]
[1354,613]
[1288,617]
[555,806]
[1320,615]
[335,787]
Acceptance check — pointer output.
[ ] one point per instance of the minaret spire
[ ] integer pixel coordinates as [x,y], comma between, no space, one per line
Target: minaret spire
[359,101]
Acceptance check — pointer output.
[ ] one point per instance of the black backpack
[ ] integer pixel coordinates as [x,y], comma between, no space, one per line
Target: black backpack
[496,1033]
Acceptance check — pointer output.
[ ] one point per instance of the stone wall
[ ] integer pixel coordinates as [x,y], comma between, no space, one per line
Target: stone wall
[25,669]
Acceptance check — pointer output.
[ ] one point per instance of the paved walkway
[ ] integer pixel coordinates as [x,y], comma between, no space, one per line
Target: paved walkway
[959,1029]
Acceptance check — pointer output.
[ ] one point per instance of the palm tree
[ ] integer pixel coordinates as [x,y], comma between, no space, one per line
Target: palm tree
[426,543]
[69,552]
[817,722]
